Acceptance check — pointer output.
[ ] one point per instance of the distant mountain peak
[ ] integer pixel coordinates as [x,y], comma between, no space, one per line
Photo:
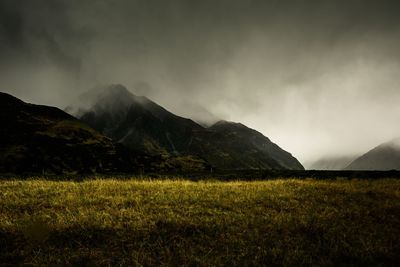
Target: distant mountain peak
[385,156]
[114,94]
[113,91]
[114,98]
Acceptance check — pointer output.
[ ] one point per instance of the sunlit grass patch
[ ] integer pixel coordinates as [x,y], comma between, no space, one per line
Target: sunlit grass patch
[179,222]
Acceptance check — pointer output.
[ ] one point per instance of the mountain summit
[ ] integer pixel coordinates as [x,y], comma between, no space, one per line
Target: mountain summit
[143,125]
[383,157]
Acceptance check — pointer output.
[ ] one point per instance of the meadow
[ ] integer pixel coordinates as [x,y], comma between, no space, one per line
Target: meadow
[282,222]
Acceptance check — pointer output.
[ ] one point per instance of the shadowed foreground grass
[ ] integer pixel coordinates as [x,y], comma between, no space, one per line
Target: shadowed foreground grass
[128,223]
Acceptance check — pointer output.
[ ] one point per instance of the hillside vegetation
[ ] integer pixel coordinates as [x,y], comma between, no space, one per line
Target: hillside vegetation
[46,140]
[182,223]
[143,125]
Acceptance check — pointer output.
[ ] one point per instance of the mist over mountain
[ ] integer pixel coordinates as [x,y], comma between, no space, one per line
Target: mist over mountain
[383,157]
[330,163]
[143,125]
[199,114]
[134,120]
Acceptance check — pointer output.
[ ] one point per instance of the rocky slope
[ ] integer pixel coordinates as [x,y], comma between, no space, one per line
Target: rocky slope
[143,125]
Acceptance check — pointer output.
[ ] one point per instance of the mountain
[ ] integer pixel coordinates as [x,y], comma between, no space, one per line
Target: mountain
[231,145]
[330,163]
[43,139]
[383,157]
[143,125]
[137,122]
[198,114]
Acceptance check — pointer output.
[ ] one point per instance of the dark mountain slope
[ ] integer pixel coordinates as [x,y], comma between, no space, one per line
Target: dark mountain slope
[143,125]
[383,157]
[138,122]
[43,139]
[230,145]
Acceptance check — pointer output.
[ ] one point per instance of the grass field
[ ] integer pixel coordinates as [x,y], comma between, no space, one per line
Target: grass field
[183,223]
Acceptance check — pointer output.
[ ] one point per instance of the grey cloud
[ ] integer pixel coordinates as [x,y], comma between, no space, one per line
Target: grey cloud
[308,74]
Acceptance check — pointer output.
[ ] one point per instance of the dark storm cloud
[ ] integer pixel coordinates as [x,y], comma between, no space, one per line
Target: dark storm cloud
[36,29]
[305,73]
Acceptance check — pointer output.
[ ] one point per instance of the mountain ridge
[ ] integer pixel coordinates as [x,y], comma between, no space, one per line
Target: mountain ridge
[385,156]
[143,124]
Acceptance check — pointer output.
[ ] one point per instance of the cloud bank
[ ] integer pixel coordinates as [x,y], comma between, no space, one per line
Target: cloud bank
[317,77]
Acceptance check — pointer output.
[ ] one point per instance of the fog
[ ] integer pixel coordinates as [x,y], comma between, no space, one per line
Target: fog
[319,78]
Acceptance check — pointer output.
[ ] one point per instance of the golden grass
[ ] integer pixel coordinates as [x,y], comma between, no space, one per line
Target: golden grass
[177,222]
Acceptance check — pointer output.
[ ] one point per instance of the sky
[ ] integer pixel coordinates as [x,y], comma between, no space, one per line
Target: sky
[319,78]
